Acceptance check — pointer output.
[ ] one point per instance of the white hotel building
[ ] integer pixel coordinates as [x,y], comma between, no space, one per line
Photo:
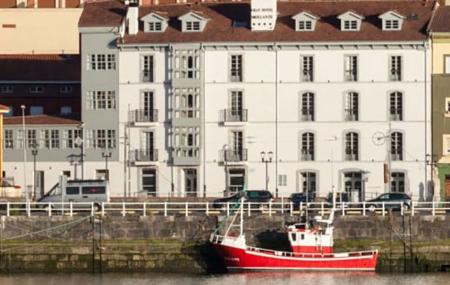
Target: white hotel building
[335,95]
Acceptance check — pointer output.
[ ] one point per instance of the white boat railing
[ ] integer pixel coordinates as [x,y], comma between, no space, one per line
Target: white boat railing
[214,208]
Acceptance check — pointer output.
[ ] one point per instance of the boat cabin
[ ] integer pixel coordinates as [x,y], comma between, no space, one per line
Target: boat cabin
[310,237]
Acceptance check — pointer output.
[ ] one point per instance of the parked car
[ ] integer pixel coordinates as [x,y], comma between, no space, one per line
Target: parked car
[254,196]
[392,201]
[298,198]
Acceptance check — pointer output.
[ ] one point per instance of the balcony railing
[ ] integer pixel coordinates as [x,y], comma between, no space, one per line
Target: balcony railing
[229,115]
[233,155]
[142,155]
[143,116]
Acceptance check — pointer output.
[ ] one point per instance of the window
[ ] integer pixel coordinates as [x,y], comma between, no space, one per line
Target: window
[236,111]
[350,25]
[282,180]
[98,100]
[396,106]
[236,180]
[86,190]
[54,139]
[193,26]
[398,182]
[351,68]
[305,25]
[307,72]
[102,174]
[6,89]
[351,106]
[155,26]
[71,190]
[187,103]
[307,150]
[447,64]
[105,138]
[392,25]
[147,68]
[148,177]
[32,139]
[9,139]
[36,89]
[186,64]
[71,138]
[308,184]
[50,138]
[397,146]
[36,110]
[307,106]
[65,89]
[101,62]
[395,68]
[66,110]
[237,145]
[351,146]
[236,68]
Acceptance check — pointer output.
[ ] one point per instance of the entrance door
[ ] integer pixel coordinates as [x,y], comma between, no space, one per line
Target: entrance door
[190,182]
[447,187]
[353,186]
[308,184]
[39,182]
[236,177]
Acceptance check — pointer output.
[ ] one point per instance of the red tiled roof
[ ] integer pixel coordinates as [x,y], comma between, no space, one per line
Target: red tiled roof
[440,22]
[39,120]
[40,67]
[222,15]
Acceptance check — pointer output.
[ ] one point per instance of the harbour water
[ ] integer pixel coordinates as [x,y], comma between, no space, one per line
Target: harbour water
[292,278]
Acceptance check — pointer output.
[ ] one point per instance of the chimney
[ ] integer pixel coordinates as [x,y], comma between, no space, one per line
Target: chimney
[263,15]
[132,17]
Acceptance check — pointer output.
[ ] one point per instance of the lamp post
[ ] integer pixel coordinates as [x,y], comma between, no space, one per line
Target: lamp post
[34,153]
[73,160]
[80,142]
[106,155]
[24,154]
[266,158]
[225,149]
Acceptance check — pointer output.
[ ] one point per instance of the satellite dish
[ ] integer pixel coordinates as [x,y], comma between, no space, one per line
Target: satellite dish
[378,138]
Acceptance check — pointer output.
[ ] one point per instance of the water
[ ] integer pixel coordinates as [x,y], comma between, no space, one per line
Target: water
[227,279]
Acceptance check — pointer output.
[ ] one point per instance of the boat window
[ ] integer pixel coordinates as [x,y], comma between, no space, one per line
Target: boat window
[72,190]
[93,190]
[302,236]
[294,236]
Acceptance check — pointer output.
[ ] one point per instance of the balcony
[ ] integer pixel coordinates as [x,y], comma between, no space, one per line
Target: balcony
[143,156]
[143,117]
[233,155]
[233,116]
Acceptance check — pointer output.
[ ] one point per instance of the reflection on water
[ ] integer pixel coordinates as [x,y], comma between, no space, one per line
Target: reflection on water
[292,278]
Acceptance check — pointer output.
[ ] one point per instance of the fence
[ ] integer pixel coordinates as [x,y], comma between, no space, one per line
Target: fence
[214,208]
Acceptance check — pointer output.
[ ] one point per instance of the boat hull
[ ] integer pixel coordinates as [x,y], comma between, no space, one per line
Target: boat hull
[238,259]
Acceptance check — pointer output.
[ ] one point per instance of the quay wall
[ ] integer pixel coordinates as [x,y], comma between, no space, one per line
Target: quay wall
[179,244]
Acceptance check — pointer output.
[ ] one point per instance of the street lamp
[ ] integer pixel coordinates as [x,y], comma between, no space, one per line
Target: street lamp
[24,154]
[266,159]
[106,154]
[225,149]
[34,153]
[73,160]
[80,142]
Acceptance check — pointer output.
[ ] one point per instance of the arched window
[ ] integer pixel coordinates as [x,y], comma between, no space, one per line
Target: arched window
[397,146]
[351,146]
[307,150]
[351,106]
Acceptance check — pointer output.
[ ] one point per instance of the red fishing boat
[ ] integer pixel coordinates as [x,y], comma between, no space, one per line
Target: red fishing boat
[311,249]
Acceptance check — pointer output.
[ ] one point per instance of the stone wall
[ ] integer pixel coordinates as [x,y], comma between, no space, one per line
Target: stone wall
[179,244]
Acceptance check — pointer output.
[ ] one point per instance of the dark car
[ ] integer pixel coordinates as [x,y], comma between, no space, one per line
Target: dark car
[298,198]
[254,196]
[391,200]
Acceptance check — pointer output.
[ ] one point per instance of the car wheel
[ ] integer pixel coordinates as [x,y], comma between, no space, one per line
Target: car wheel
[372,208]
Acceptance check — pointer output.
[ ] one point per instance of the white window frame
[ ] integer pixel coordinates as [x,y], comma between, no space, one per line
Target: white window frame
[351,68]
[307,68]
[395,72]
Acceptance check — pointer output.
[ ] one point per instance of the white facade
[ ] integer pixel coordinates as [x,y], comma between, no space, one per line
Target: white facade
[272,89]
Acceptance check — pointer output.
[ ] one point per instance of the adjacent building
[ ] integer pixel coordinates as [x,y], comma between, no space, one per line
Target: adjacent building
[440,36]
[3,110]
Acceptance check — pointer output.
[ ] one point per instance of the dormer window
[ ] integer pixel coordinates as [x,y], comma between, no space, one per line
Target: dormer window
[155,26]
[305,22]
[193,22]
[193,26]
[391,21]
[155,22]
[350,21]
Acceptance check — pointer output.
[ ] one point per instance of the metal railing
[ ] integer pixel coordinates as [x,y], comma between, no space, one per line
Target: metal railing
[283,207]
[141,155]
[233,155]
[230,115]
[143,116]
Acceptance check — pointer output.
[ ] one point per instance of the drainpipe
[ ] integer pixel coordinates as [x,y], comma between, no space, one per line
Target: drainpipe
[276,119]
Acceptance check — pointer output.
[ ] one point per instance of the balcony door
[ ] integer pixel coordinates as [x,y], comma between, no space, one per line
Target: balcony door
[237,145]
[148,145]
[148,105]
[236,105]
[353,186]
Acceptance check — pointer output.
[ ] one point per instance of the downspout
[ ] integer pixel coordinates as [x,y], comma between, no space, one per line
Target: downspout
[426,120]
[276,119]
[203,113]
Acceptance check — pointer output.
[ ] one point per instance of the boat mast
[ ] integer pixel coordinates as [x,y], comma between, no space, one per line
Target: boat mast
[242,218]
